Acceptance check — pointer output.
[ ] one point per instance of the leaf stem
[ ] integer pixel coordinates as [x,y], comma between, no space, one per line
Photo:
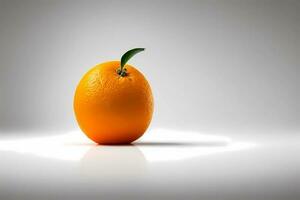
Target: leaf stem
[125,58]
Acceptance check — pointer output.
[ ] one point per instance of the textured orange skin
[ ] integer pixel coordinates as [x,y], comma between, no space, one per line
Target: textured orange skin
[111,109]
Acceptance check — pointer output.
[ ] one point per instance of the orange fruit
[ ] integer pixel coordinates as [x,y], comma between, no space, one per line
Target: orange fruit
[113,102]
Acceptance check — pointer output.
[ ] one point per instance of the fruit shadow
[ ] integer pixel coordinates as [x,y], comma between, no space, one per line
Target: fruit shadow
[158,144]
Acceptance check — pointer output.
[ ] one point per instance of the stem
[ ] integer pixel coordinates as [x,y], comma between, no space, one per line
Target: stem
[124,59]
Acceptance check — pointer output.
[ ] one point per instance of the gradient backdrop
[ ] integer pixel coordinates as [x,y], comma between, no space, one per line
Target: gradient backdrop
[213,65]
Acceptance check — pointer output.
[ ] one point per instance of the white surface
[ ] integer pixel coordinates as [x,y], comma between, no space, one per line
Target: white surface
[164,164]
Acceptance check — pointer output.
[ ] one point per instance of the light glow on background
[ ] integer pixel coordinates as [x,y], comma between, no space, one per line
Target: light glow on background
[155,145]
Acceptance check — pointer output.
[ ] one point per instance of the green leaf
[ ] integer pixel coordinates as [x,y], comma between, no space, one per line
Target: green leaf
[129,54]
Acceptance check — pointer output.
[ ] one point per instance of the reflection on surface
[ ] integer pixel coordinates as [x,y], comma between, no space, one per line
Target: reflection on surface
[125,162]
[155,145]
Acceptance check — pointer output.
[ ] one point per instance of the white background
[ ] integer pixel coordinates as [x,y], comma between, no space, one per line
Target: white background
[212,65]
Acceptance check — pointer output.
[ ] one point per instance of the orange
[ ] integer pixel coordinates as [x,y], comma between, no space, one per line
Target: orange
[114,104]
